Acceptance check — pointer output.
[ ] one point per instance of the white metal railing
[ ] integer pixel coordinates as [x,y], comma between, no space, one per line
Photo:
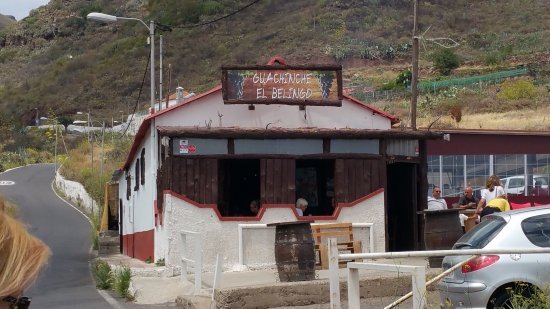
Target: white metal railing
[419,285]
[242,227]
[418,281]
[196,261]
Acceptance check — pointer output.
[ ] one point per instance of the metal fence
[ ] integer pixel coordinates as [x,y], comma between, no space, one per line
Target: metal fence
[419,280]
[434,86]
[474,80]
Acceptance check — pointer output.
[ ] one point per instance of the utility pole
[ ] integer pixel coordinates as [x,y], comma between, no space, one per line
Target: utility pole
[414,78]
[55,149]
[160,75]
[102,157]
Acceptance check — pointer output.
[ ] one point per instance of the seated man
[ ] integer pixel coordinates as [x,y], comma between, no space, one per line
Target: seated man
[301,205]
[435,202]
[254,208]
[468,200]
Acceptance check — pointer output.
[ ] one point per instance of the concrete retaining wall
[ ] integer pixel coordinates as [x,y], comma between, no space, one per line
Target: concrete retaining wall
[76,193]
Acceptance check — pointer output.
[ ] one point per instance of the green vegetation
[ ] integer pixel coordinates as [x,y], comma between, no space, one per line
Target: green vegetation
[101,271]
[104,63]
[84,163]
[121,281]
[445,60]
[525,296]
[117,279]
[518,89]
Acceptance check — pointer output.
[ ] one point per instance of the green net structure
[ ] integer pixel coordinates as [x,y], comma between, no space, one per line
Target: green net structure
[466,81]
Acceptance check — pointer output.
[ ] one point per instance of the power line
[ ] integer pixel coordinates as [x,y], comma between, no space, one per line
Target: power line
[212,21]
[164,27]
[139,95]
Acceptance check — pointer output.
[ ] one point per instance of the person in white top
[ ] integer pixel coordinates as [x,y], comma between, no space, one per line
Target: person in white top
[301,205]
[435,202]
[493,189]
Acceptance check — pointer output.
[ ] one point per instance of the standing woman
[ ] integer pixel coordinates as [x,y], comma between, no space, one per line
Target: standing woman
[22,256]
[493,189]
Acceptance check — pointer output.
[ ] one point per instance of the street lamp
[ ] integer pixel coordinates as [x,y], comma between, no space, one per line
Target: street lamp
[110,19]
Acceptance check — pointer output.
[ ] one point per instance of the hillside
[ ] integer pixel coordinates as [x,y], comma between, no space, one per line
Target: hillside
[57,60]
[6,20]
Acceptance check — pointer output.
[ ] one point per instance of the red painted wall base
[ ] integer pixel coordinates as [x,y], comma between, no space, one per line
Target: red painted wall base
[140,245]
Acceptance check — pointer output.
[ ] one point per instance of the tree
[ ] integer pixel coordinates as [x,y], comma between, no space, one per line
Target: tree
[65,121]
[445,60]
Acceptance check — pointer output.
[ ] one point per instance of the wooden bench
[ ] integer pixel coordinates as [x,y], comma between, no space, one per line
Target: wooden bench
[343,232]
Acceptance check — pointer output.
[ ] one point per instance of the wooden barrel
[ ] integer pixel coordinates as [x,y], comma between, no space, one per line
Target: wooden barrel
[294,251]
[441,230]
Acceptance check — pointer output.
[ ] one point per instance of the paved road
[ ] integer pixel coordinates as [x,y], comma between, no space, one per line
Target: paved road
[66,282]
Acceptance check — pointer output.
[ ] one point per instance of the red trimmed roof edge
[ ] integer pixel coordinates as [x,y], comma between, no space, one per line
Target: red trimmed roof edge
[147,121]
[262,210]
[376,110]
[144,127]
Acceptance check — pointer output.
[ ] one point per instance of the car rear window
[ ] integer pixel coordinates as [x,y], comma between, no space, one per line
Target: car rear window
[537,230]
[483,233]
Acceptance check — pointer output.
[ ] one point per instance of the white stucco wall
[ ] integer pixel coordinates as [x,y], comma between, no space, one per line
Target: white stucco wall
[139,212]
[76,193]
[211,110]
[222,236]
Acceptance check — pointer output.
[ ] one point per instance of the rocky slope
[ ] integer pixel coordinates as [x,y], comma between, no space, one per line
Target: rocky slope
[58,62]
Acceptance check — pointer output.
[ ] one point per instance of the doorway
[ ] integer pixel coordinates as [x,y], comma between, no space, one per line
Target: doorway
[239,185]
[402,220]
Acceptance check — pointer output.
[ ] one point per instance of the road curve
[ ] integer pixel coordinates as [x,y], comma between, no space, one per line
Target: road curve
[66,282]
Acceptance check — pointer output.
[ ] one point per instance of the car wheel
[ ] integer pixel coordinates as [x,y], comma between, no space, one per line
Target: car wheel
[501,300]
[504,299]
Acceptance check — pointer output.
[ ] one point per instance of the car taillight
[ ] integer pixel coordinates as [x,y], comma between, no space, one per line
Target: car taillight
[479,263]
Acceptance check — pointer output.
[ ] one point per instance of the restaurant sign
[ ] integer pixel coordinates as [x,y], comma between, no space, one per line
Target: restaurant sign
[290,85]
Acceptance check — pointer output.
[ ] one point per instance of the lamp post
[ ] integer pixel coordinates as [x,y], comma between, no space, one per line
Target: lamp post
[110,18]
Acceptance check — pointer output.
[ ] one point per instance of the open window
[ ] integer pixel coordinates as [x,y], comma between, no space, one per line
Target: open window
[315,183]
[239,184]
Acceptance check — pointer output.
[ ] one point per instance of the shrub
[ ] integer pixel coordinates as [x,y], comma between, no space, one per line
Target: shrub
[525,296]
[388,86]
[404,78]
[101,271]
[515,90]
[121,281]
[160,262]
[445,60]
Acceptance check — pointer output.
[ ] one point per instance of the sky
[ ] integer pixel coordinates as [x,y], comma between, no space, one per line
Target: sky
[20,8]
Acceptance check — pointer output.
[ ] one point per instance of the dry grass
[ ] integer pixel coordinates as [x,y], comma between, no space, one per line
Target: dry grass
[527,119]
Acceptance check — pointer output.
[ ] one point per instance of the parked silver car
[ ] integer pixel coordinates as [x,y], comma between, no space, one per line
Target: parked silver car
[485,281]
